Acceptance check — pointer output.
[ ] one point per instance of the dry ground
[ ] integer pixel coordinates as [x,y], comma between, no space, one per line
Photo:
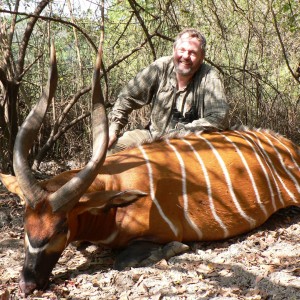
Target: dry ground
[264,264]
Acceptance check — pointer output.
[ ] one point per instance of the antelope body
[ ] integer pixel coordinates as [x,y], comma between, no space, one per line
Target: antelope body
[194,187]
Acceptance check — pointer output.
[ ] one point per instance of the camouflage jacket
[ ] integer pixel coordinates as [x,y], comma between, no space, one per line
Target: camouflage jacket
[156,85]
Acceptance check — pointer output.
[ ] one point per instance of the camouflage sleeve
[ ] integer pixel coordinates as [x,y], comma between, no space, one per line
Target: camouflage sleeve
[138,92]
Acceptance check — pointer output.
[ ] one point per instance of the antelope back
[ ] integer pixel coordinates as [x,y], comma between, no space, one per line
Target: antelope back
[206,186]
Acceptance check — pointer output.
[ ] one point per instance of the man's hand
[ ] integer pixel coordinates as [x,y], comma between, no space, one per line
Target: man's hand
[180,126]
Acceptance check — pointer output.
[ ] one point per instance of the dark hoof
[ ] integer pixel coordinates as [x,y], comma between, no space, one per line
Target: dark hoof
[142,254]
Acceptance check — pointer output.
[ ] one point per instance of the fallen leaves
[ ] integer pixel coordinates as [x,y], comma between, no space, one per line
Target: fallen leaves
[261,265]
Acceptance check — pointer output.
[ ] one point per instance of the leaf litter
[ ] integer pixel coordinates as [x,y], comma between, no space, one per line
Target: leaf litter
[263,264]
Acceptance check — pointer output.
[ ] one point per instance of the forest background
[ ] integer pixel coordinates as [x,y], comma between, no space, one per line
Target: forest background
[255,45]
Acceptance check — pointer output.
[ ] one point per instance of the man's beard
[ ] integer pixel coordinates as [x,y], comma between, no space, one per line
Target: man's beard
[183,72]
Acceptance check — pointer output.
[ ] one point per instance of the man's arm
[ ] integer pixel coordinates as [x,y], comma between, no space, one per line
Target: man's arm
[138,92]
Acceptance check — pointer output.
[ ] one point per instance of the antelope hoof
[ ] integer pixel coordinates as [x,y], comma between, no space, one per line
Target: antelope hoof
[166,252]
[142,254]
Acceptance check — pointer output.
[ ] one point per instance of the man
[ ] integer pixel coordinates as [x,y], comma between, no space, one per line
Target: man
[185,95]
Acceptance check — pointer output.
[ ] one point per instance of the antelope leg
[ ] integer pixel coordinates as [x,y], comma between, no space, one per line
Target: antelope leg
[141,254]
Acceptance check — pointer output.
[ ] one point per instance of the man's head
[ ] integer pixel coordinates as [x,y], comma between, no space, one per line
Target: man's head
[188,51]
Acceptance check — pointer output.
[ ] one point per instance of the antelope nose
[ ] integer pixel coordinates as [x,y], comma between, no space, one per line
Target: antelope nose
[27,287]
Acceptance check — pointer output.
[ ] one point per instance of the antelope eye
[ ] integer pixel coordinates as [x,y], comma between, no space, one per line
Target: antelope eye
[62,228]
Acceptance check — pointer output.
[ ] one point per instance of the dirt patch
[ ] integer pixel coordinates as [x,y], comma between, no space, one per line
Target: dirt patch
[264,264]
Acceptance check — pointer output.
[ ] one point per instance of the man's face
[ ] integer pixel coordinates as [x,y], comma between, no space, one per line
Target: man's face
[188,55]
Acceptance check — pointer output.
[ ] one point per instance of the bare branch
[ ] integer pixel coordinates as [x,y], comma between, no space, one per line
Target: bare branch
[50,142]
[116,62]
[125,28]
[76,43]
[11,33]
[282,44]
[145,29]
[3,77]
[29,67]
[54,20]
[68,108]
[27,35]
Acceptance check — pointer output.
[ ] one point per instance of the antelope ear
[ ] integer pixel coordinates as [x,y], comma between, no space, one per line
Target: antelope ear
[106,200]
[12,185]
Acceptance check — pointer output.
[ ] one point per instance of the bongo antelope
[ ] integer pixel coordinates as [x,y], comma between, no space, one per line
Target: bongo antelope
[197,187]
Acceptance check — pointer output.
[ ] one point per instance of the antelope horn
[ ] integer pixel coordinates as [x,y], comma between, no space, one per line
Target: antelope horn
[69,194]
[26,135]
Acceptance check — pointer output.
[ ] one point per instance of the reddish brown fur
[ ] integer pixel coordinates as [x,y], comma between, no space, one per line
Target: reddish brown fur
[96,218]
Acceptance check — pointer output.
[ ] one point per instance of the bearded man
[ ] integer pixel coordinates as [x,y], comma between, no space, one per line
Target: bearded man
[185,94]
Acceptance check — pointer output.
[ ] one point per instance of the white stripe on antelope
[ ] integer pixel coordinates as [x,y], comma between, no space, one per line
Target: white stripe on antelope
[198,187]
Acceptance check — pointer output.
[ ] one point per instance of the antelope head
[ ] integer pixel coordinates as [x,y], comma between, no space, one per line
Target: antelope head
[46,212]
[47,209]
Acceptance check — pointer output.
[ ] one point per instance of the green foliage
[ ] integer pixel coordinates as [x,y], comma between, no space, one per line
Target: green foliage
[242,42]
[289,15]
